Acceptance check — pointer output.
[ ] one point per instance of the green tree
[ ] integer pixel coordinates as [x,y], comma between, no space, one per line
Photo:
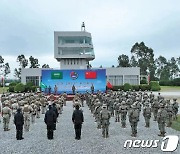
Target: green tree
[45,66]
[174,69]
[33,62]
[23,62]
[145,59]
[123,61]
[6,70]
[133,62]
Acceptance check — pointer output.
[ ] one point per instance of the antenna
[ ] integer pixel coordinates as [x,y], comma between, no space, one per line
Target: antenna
[83,26]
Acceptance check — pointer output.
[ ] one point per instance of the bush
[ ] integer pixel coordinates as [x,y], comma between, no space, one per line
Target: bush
[33,88]
[154,85]
[115,88]
[11,88]
[29,86]
[127,86]
[144,87]
[13,84]
[165,83]
[136,87]
[176,82]
[144,81]
[19,87]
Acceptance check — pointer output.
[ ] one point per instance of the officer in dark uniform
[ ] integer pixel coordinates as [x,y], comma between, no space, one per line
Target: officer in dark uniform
[73,89]
[54,108]
[50,119]
[19,122]
[92,89]
[77,119]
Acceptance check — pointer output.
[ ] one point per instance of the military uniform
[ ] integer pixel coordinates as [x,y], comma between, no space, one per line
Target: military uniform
[161,119]
[175,108]
[6,114]
[155,107]
[123,111]
[169,109]
[105,117]
[133,119]
[147,114]
[26,112]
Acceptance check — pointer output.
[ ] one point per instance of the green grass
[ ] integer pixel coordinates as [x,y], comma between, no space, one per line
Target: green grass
[170,88]
[5,89]
[176,124]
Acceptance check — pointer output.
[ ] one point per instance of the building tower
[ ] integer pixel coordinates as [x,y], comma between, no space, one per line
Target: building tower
[73,49]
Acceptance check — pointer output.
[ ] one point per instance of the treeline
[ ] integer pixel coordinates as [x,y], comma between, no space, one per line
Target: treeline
[160,69]
[23,63]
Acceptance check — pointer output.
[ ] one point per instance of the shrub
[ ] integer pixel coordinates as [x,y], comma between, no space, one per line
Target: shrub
[13,84]
[136,87]
[19,87]
[176,82]
[11,88]
[144,87]
[144,81]
[28,86]
[154,85]
[165,83]
[127,86]
[115,88]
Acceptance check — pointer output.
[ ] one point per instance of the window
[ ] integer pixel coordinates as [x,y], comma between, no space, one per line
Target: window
[33,79]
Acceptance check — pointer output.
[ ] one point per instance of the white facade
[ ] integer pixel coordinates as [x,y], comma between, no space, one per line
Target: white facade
[116,76]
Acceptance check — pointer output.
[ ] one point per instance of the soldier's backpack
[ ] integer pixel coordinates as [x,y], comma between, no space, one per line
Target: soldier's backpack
[135,114]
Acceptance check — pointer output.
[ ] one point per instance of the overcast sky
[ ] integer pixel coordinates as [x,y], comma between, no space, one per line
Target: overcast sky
[27,27]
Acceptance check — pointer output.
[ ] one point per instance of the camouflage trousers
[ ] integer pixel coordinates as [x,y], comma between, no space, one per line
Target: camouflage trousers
[155,111]
[105,128]
[26,121]
[38,114]
[6,119]
[117,117]
[33,118]
[161,126]
[43,109]
[169,119]
[147,121]
[123,119]
[133,127]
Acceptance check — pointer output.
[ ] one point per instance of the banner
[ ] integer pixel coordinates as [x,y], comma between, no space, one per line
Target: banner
[83,80]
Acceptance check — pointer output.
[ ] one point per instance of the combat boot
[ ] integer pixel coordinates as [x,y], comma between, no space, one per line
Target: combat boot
[160,134]
[163,134]
[116,120]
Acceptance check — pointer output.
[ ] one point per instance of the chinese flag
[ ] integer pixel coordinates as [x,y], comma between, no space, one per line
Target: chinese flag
[90,75]
[109,85]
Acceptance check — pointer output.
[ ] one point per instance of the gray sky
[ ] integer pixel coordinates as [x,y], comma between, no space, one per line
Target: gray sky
[27,27]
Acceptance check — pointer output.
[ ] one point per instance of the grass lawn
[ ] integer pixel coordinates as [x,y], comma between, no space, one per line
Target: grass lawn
[5,89]
[176,124]
[170,88]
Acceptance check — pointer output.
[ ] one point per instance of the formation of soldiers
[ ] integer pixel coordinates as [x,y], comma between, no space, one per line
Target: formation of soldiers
[120,104]
[32,106]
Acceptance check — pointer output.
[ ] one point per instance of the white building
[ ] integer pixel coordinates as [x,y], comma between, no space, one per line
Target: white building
[74,50]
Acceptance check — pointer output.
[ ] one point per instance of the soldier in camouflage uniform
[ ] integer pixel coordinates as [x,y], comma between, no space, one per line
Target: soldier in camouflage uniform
[97,114]
[155,107]
[123,109]
[26,112]
[105,116]
[133,119]
[169,109]
[116,108]
[33,113]
[147,114]
[6,114]
[43,105]
[161,119]
[175,108]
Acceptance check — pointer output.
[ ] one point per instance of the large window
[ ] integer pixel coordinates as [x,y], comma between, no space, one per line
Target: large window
[115,80]
[131,79]
[33,79]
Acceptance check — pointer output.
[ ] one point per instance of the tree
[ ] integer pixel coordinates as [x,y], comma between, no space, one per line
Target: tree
[45,66]
[145,59]
[123,61]
[6,70]
[23,62]
[100,66]
[174,69]
[1,65]
[33,62]
[133,62]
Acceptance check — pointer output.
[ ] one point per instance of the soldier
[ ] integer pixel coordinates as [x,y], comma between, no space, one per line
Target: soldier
[169,109]
[50,119]
[26,111]
[175,108]
[147,114]
[54,108]
[155,107]
[19,122]
[33,113]
[65,98]
[92,89]
[6,114]
[43,105]
[38,109]
[161,119]
[116,108]
[97,114]
[105,117]
[55,90]
[123,111]
[133,119]
[15,106]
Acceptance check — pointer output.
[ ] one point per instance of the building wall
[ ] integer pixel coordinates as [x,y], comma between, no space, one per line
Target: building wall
[116,76]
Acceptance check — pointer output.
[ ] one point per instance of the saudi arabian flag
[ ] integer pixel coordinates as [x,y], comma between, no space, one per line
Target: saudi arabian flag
[43,85]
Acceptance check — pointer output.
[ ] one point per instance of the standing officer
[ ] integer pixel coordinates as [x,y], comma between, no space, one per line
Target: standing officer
[6,114]
[19,122]
[73,89]
[50,119]
[105,116]
[92,89]
[77,119]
